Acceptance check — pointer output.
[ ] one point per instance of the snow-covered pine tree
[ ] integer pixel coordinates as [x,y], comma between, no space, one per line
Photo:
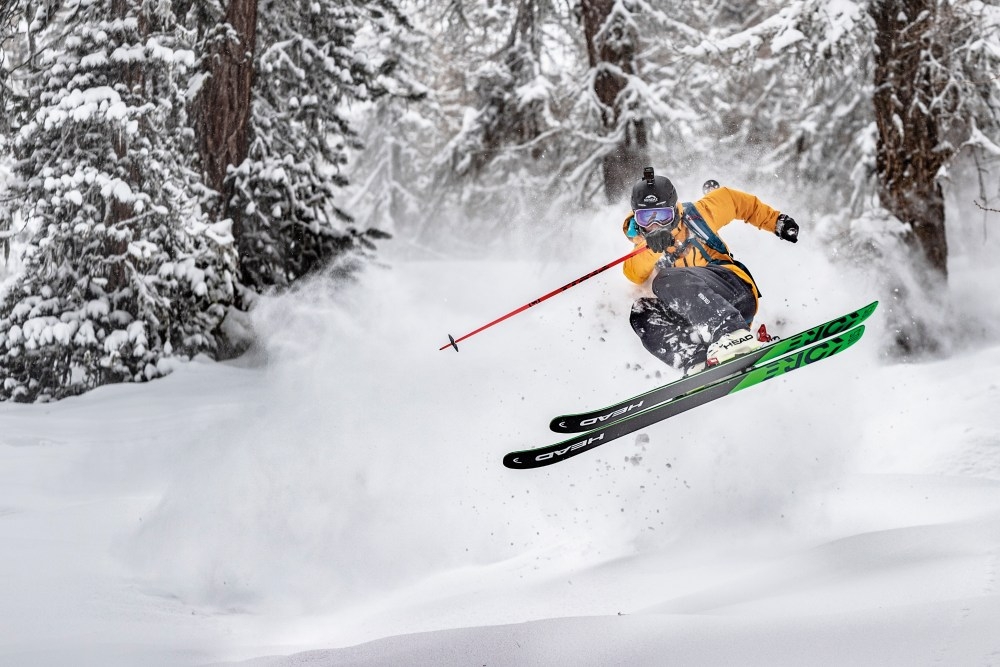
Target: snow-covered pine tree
[123,271]
[551,108]
[638,108]
[479,133]
[613,45]
[287,72]
[934,93]
[511,103]
[515,120]
[390,175]
[866,97]
[859,99]
[11,15]
[790,93]
[932,96]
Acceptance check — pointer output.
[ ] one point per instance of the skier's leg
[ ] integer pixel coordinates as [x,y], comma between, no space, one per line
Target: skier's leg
[713,299]
[660,331]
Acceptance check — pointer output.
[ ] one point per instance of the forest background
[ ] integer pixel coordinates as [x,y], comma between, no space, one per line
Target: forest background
[164,164]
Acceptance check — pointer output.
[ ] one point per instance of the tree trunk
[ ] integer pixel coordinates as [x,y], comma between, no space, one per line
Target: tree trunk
[523,51]
[224,117]
[909,156]
[611,47]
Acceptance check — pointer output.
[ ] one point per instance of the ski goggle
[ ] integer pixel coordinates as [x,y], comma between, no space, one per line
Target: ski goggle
[647,217]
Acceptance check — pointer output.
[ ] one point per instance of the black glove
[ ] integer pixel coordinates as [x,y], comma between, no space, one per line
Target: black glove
[787,229]
[659,240]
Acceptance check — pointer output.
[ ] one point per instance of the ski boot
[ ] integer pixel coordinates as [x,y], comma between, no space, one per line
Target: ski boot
[731,345]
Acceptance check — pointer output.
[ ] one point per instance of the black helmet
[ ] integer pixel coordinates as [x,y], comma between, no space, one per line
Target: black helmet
[653,191]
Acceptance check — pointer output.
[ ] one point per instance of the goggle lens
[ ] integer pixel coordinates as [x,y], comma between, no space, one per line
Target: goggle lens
[647,217]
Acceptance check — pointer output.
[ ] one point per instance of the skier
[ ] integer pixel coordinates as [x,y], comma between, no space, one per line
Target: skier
[704,299]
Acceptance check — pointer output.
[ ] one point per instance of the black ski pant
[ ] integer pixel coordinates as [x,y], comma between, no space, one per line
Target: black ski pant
[693,307]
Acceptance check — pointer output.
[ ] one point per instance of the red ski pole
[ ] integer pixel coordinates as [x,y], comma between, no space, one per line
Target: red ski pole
[453,342]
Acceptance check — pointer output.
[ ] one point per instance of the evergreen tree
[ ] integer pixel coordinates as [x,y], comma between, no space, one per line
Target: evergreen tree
[394,173]
[515,119]
[637,109]
[865,99]
[871,97]
[511,102]
[790,92]
[275,134]
[11,15]
[123,271]
[930,98]
[495,98]
[612,38]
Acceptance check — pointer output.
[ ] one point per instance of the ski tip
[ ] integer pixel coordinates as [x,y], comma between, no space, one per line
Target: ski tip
[865,312]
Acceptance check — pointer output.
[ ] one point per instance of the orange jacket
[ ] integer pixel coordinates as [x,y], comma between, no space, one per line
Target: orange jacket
[719,207]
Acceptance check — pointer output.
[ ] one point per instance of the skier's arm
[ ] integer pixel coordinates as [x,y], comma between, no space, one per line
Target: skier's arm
[723,205]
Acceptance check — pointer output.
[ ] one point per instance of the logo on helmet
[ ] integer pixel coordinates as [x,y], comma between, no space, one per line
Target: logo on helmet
[650,199]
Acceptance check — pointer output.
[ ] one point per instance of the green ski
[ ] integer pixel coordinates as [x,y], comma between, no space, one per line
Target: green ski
[585,421]
[543,456]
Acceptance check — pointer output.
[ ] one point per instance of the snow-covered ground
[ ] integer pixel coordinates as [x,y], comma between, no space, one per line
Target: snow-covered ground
[341,491]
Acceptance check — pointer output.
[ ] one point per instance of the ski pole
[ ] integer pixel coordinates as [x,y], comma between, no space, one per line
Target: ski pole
[453,342]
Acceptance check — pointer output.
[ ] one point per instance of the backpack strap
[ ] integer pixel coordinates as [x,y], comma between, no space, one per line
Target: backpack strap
[696,223]
[702,234]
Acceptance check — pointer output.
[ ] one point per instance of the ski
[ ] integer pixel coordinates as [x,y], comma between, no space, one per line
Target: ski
[543,456]
[578,423]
